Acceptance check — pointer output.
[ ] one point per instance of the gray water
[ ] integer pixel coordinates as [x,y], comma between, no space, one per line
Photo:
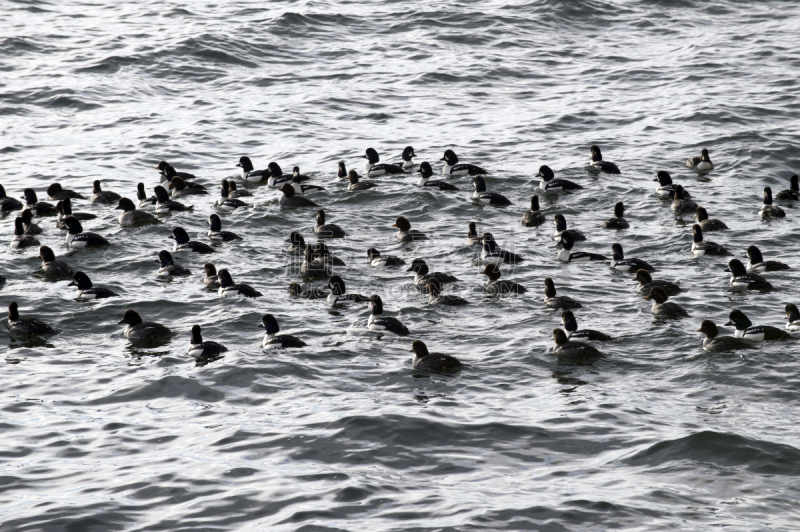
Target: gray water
[345,434]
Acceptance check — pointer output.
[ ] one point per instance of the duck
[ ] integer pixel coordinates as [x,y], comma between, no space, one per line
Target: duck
[215,231]
[183,243]
[490,198]
[701,247]
[26,326]
[64,208]
[566,255]
[598,165]
[8,204]
[228,288]
[472,235]
[647,283]
[376,260]
[56,193]
[290,201]
[662,307]
[249,173]
[274,340]
[702,163]
[295,290]
[681,202]
[298,243]
[76,238]
[181,189]
[437,298]
[793,193]
[132,216]
[561,226]
[572,350]
[297,176]
[618,221]
[313,267]
[424,180]
[708,224]
[551,185]
[666,186]
[342,171]
[236,193]
[355,184]
[22,240]
[338,295]
[533,217]
[28,225]
[87,290]
[323,230]
[720,344]
[166,170]
[494,254]
[200,349]
[757,262]
[165,205]
[770,211]
[143,332]
[277,178]
[495,286]
[373,169]
[744,329]
[792,317]
[377,322]
[211,279]
[100,196]
[225,201]
[740,277]
[571,328]
[38,208]
[52,267]
[551,300]
[435,362]
[145,202]
[452,168]
[422,274]
[299,187]
[169,268]
[404,231]
[408,157]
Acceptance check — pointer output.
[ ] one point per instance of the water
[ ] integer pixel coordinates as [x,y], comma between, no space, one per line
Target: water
[99,435]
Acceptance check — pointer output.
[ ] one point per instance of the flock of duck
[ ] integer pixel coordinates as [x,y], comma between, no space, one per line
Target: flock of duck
[319,262]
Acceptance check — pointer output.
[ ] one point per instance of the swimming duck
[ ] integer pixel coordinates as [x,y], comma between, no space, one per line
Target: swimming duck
[132,216]
[424,180]
[427,361]
[702,163]
[571,327]
[740,277]
[701,247]
[56,193]
[404,231]
[376,260]
[289,200]
[617,222]
[555,302]
[572,350]
[720,344]
[744,329]
[707,224]
[101,196]
[495,286]
[680,201]
[662,307]
[533,217]
[435,291]
[599,165]
[647,283]
[8,204]
[566,255]
[793,193]
[26,326]
[200,349]
[757,262]
[143,332]
[770,211]
[323,230]
[490,198]
[452,168]
[561,226]
[377,322]
[274,340]
[355,184]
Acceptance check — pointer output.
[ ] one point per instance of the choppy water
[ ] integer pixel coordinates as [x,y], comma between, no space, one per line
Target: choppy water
[98,435]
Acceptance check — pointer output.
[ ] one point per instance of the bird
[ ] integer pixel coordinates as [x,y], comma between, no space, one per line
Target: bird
[211,280]
[533,217]
[404,231]
[169,268]
[85,289]
[228,288]
[572,350]
[740,277]
[701,247]
[22,240]
[720,344]
[64,208]
[424,180]
[277,178]
[377,322]
[490,198]
[52,267]
[472,235]
[662,307]
[274,340]
[422,274]
[618,221]
[437,298]
[566,255]
[372,168]
[8,204]
[793,193]
[26,326]
[181,189]
[599,165]
[551,185]
[757,262]
[299,187]
[323,230]
[452,168]
[166,170]
[200,349]
[215,231]
[143,332]
[338,295]
[38,208]
[792,317]
[295,290]
[571,328]
[355,184]
[131,216]
[551,300]
[249,173]
[342,171]
[744,329]
[768,210]
[169,175]
[495,286]
[28,225]
[100,196]
[297,176]
[408,157]
[164,204]
[680,201]
[76,238]
[376,260]
[225,201]
[494,254]
[145,201]
[561,226]
[289,200]
[666,186]
[646,283]
[183,243]
[435,362]
[56,193]
[702,163]
[313,267]
[298,243]
[707,224]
